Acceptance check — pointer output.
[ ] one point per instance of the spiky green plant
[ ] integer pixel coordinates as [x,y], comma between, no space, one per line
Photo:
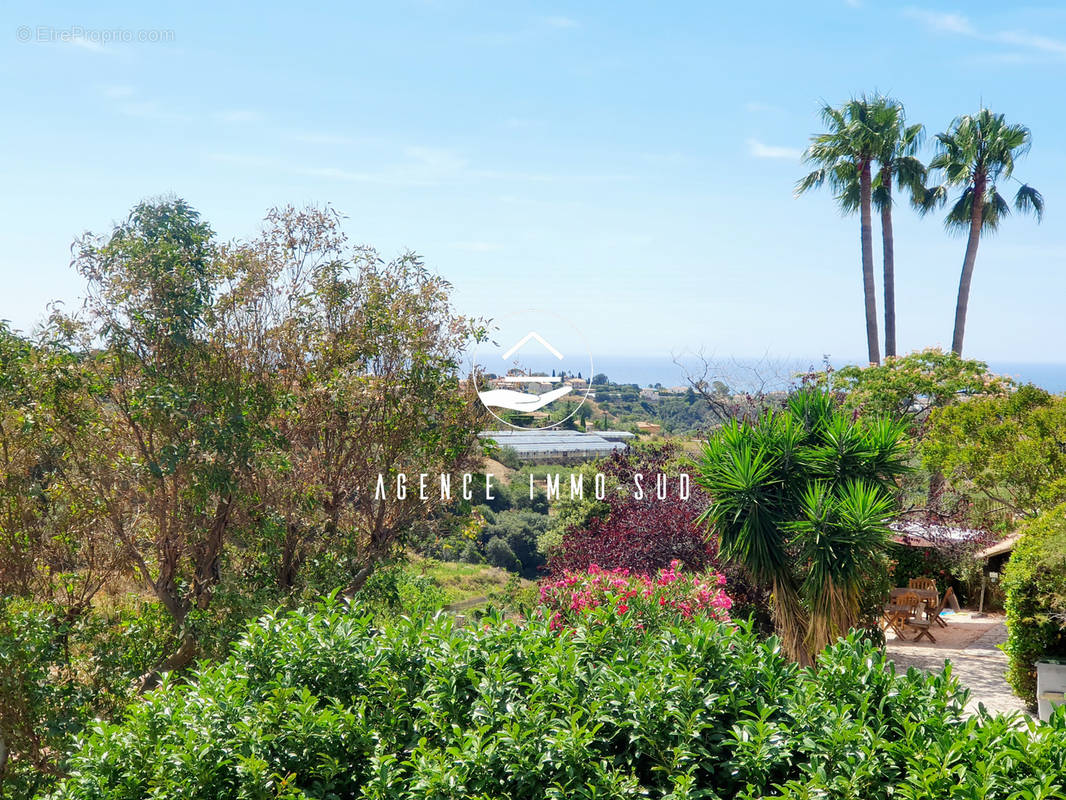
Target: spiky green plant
[840,537]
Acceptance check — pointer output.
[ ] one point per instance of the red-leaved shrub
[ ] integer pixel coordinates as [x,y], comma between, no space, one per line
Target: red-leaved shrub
[640,535]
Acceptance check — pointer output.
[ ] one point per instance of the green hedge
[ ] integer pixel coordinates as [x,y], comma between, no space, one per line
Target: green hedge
[1035,584]
[322,704]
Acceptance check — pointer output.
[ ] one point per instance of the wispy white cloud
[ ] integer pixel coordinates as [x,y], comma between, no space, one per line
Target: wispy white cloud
[85,44]
[665,159]
[150,109]
[761,150]
[520,123]
[941,21]
[312,137]
[1033,41]
[415,166]
[355,176]
[561,22]
[437,159]
[959,25]
[128,102]
[117,92]
[532,30]
[853,3]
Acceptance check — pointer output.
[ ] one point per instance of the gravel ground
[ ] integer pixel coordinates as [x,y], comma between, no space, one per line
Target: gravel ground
[970,643]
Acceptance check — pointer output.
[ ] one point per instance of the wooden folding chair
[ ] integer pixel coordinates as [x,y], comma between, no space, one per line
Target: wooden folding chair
[922,583]
[915,619]
[894,617]
[896,613]
[933,614]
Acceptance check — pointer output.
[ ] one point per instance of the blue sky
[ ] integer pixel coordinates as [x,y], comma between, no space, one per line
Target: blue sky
[629,166]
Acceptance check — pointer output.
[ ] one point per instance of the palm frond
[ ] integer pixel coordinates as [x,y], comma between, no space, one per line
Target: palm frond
[810,181]
[929,198]
[995,209]
[1029,201]
[981,150]
[958,218]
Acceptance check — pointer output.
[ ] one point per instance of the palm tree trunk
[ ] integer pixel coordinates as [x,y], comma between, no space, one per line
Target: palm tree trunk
[890,267]
[974,239]
[866,231]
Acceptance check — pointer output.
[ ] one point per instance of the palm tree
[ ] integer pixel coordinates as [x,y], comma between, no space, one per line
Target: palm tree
[897,160]
[846,151]
[976,153]
[896,163]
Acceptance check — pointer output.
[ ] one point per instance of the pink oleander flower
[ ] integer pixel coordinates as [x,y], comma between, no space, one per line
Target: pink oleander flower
[670,592]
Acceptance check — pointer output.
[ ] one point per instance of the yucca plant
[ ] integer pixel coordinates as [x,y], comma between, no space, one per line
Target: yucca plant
[841,538]
[801,498]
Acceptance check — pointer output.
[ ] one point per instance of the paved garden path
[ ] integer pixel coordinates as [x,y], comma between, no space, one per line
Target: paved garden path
[978,664]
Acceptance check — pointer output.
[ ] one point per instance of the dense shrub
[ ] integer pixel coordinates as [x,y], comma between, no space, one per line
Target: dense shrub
[499,554]
[645,534]
[519,529]
[325,705]
[508,456]
[1035,583]
[58,672]
[471,554]
[392,590]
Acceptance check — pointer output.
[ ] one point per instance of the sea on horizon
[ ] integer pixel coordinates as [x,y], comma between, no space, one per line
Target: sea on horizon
[742,374]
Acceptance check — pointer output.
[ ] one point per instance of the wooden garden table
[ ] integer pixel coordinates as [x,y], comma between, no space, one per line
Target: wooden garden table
[930,597]
[896,615]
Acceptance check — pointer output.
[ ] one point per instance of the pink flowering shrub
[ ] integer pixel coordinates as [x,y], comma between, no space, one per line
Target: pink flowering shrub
[670,594]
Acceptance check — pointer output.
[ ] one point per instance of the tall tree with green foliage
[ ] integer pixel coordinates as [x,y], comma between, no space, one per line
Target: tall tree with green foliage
[54,544]
[801,499]
[1006,453]
[363,356]
[182,423]
[844,158]
[977,153]
[909,387]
